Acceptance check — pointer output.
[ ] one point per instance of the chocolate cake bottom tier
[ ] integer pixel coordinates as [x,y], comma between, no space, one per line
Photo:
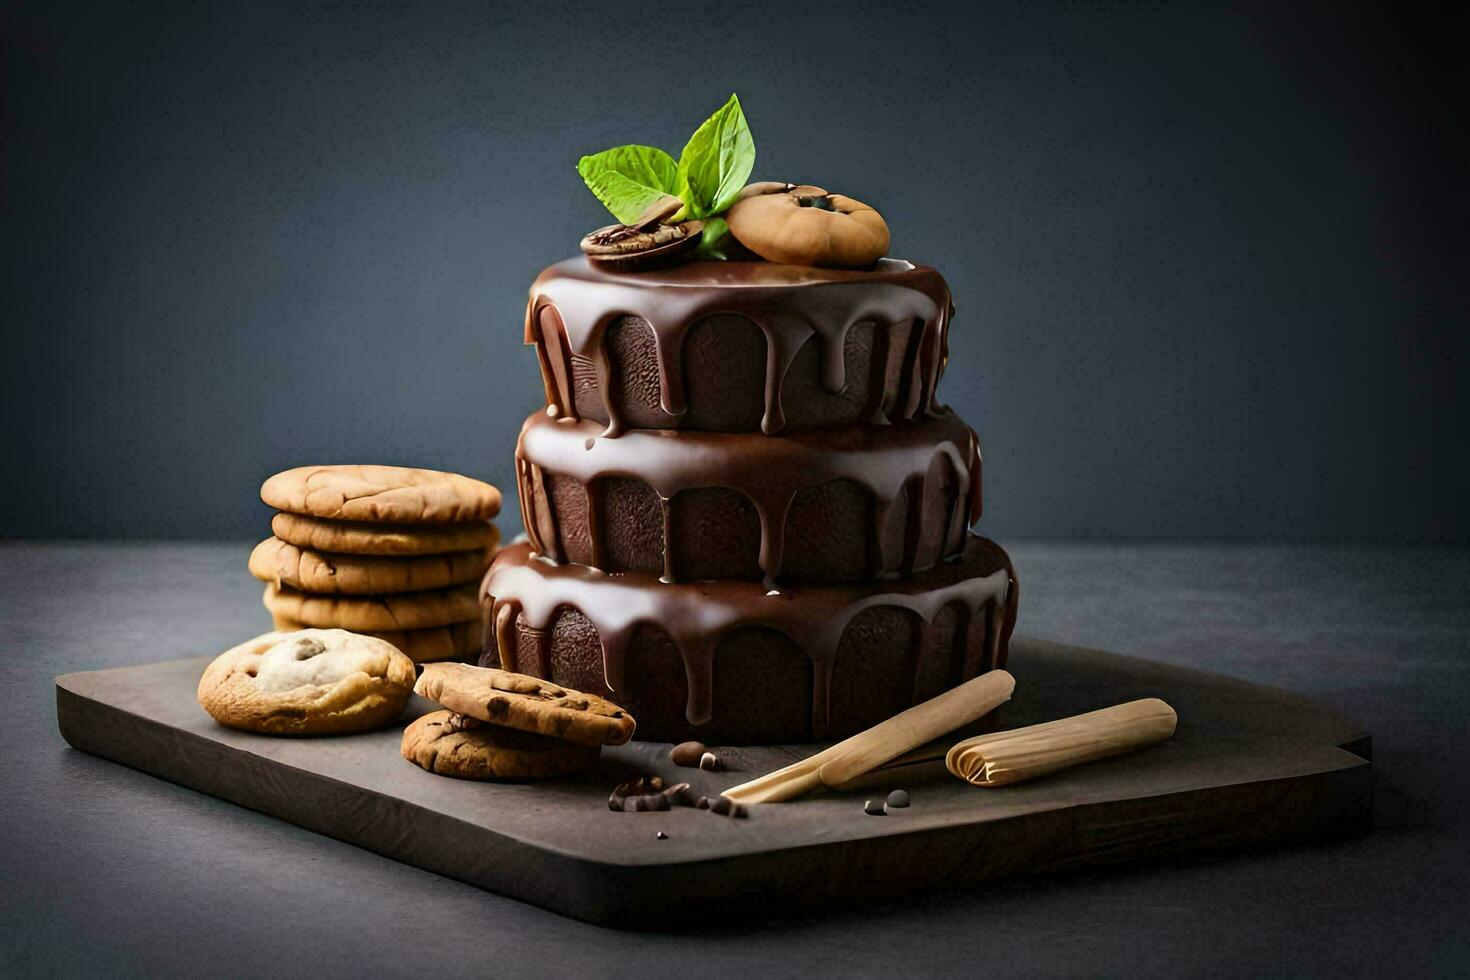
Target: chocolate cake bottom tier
[858,503]
[731,662]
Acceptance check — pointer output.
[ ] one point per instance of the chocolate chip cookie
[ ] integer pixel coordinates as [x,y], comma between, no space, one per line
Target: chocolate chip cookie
[527,703]
[397,494]
[404,611]
[452,744]
[363,538]
[312,682]
[308,570]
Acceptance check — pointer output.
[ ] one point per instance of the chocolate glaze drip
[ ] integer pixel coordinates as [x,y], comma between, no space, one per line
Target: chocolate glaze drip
[521,586]
[892,465]
[573,303]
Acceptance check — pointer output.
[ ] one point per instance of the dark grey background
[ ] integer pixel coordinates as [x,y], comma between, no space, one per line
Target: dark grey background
[1210,262]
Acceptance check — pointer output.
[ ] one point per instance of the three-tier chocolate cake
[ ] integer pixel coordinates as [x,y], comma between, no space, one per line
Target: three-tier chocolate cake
[748,514]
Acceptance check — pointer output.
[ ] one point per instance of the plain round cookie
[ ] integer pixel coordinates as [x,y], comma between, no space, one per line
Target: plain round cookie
[458,641]
[312,682]
[403,611]
[450,744]
[527,703]
[283,563]
[362,538]
[395,494]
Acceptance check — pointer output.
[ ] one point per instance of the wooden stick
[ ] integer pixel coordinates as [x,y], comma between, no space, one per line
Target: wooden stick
[1003,758]
[862,752]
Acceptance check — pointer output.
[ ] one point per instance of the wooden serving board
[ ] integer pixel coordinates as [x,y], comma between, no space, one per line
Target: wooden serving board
[1248,765]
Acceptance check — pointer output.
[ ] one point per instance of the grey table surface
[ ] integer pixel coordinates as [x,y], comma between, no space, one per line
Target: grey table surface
[108,870]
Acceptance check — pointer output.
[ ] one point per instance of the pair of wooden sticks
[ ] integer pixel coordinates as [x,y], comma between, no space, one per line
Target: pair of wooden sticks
[985,760]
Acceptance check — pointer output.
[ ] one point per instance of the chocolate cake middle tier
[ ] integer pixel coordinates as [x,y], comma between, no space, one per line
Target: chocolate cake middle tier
[734,662]
[862,502]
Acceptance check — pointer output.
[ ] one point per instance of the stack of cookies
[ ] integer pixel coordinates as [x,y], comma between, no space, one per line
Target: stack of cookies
[388,551]
[505,726]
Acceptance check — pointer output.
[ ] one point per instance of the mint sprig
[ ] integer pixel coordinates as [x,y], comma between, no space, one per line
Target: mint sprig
[711,170]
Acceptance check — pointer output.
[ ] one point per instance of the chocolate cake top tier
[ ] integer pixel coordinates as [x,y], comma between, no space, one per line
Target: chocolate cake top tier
[740,346]
[521,591]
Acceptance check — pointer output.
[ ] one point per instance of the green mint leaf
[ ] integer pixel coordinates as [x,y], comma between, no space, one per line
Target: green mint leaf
[629,179]
[716,161]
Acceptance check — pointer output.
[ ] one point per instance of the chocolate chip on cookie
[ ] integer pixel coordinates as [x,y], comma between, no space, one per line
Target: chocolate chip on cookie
[312,682]
[397,494]
[451,744]
[527,703]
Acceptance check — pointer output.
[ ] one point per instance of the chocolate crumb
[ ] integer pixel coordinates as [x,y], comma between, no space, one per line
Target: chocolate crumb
[680,795]
[641,795]
[722,805]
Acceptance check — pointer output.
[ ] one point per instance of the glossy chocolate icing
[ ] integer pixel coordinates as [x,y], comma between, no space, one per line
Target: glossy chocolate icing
[890,322]
[525,597]
[917,489]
